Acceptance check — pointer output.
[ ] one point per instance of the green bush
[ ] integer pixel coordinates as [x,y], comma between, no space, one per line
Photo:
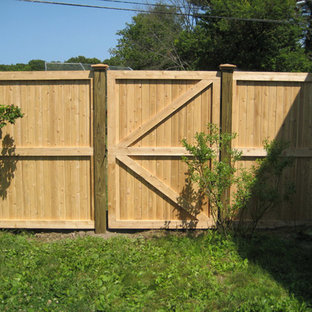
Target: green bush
[256,191]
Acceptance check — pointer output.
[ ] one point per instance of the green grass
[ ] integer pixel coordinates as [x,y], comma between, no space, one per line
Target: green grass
[172,273]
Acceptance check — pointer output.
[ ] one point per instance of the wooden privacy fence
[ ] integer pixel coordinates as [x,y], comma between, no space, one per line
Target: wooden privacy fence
[52,163]
[46,176]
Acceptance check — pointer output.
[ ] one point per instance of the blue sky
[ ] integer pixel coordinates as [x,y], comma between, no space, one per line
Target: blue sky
[56,33]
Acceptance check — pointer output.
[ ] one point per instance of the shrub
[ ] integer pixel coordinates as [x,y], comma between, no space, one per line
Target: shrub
[255,191]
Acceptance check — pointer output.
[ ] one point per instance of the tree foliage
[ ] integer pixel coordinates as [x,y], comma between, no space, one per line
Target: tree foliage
[250,44]
[203,40]
[306,10]
[149,42]
[33,65]
[83,60]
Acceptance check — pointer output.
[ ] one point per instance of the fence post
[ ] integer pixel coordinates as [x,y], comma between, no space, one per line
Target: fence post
[226,97]
[99,144]
[226,113]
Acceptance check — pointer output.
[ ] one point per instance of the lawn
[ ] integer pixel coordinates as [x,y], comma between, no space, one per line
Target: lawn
[174,272]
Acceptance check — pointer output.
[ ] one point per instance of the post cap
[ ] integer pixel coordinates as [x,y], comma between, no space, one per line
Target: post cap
[227,67]
[99,66]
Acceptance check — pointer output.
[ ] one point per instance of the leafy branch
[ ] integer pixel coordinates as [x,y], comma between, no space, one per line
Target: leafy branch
[8,114]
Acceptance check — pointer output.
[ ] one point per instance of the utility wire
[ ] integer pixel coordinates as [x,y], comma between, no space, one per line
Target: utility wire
[167,13]
[145,4]
[108,8]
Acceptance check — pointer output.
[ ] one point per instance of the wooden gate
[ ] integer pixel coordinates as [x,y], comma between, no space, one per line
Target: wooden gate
[149,113]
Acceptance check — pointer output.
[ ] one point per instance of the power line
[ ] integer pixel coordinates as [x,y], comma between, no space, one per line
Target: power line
[145,4]
[107,8]
[159,12]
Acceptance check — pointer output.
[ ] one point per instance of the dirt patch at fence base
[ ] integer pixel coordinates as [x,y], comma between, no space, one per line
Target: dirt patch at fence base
[302,235]
[53,236]
[48,236]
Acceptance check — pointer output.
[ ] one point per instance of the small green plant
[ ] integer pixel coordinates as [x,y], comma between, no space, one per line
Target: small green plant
[8,114]
[254,191]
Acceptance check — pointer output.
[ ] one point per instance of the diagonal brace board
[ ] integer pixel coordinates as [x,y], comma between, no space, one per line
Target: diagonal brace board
[155,182]
[166,112]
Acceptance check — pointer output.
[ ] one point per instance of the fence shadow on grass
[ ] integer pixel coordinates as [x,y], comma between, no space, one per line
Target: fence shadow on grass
[7,164]
[286,257]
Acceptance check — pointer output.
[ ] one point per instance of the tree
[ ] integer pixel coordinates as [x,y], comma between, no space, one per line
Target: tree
[37,65]
[83,60]
[251,45]
[212,32]
[306,10]
[149,41]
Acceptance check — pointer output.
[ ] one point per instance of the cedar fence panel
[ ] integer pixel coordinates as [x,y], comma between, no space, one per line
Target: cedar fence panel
[277,106]
[46,168]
